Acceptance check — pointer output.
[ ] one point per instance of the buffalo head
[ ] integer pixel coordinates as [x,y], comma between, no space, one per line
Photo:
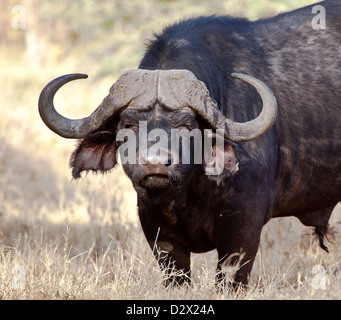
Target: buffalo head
[152,99]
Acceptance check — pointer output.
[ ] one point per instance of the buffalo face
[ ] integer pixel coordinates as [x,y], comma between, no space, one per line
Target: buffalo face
[157,167]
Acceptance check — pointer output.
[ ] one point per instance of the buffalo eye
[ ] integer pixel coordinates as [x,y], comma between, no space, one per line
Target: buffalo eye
[129,124]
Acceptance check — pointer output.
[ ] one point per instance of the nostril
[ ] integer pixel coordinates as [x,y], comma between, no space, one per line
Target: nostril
[143,160]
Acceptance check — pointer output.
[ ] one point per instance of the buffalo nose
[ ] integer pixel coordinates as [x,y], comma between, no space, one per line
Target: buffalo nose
[163,157]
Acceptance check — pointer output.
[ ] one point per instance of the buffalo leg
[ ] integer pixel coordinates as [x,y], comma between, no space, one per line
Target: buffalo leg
[173,259]
[237,248]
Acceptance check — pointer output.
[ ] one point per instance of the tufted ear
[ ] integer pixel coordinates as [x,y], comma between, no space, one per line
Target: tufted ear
[96,152]
[220,159]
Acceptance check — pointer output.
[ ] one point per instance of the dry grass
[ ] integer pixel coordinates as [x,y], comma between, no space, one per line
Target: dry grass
[82,239]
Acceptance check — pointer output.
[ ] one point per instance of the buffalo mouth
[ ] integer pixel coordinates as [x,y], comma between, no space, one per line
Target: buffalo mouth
[156,181]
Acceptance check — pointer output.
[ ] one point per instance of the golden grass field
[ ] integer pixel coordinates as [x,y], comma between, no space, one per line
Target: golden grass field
[67,239]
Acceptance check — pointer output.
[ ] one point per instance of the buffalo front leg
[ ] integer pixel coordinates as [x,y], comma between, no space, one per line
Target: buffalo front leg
[173,259]
[237,246]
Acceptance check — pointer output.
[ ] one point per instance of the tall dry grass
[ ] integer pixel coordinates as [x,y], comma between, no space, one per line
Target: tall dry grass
[66,239]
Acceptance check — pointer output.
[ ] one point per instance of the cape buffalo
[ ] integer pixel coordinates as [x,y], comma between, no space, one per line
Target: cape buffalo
[281,156]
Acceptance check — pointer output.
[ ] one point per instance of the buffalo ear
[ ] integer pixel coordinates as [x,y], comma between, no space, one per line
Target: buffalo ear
[231,162]
[226,157]
[96,152]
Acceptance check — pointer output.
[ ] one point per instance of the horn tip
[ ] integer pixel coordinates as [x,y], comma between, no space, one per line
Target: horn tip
[81,75]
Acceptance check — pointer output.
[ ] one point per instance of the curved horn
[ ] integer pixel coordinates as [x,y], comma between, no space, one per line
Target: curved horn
[65,127]
[132,88]
[253,129]
[178,88]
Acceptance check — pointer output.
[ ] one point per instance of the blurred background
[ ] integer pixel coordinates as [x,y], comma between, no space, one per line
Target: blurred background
[40,206]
